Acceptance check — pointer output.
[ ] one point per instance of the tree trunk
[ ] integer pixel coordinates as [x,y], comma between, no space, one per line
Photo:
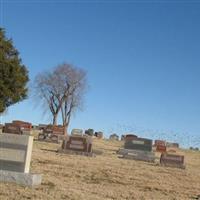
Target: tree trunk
[55,118]
[65,129]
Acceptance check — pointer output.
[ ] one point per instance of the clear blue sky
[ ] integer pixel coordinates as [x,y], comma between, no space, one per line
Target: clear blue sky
[142,59]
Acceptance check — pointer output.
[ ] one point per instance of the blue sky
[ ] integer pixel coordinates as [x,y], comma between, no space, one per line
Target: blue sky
[142,59]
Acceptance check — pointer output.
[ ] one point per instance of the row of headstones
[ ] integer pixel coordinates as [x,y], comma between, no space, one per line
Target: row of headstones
[15,154]
[142,149]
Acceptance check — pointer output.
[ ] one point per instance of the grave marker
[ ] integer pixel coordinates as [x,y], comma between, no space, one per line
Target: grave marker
[77,131]
[172,160]
[77,144]
[142,144]
[138,149]
[15,158]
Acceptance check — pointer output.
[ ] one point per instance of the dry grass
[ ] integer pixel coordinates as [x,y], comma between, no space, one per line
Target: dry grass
[105,177]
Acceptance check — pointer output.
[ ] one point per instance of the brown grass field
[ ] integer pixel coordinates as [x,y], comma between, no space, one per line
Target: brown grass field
[105,176]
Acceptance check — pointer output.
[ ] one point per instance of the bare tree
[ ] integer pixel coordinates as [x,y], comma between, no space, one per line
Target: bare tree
[45,89]
[62,90]
[72,86]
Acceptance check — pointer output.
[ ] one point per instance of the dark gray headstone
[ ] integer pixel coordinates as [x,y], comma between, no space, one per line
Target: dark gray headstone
[142,144]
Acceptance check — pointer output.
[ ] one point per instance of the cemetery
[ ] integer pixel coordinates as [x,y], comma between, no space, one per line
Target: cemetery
[51,164]
[69,176]
[139,137]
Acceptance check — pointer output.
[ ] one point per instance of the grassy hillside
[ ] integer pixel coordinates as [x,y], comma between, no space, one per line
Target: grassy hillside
[105,176]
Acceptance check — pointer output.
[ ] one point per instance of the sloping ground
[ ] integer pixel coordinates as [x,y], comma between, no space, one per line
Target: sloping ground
[105,177]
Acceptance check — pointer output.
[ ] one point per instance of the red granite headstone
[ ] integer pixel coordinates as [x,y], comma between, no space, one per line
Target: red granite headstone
[172,160]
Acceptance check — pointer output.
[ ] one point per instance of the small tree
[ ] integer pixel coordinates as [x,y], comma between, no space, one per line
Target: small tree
[13,74]
[62,90]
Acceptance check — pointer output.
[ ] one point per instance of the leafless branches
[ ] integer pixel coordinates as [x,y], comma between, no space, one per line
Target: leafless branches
[62,90]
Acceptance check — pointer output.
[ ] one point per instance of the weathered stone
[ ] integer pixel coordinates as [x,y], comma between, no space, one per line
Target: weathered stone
[25,179]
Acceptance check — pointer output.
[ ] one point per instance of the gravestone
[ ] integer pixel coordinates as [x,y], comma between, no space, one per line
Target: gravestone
[15,158]
[159,142]
[172,160]
[172,144]
[77,131]
[12,128]
[142,144]
[99,134]
[130,137]
[114,137]
[138,149]
[160,146]
[52,133]
[77,144]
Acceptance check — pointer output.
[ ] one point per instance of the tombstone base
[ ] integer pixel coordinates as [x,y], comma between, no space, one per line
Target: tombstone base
[24,179]
[137,155]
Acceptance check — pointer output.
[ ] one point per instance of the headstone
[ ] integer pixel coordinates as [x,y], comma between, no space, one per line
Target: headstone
[137,155]
[89,132]
[52,133]
[172,160]
[77,132]
[99,134]
[123,137]
[26,125]
[42,126]
[159,142]
[142,144]
[130,137]
[160,146]
[12,128]
[77,144]
[15,158]
[138,149]
[172,144]
[114,137]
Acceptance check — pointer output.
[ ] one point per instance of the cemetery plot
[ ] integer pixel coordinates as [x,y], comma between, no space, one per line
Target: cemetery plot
[15,158]
[138,149]
[77,145]
[52,133]
[172,160]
